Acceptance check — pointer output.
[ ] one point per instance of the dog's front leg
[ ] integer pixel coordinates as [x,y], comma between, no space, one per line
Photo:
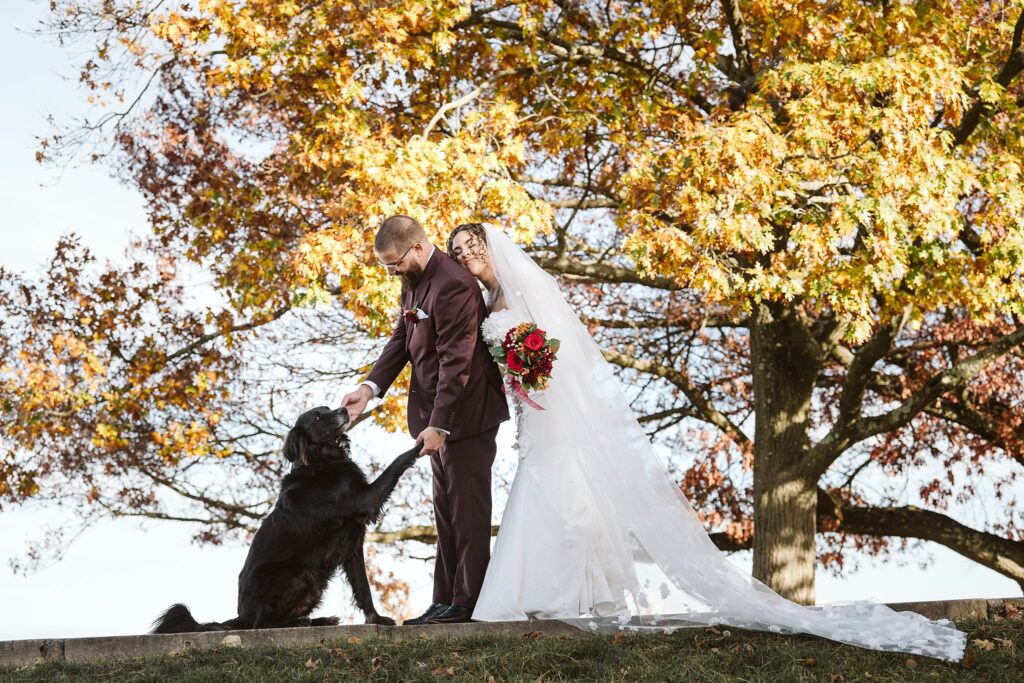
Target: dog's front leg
[355,570]
[377,493]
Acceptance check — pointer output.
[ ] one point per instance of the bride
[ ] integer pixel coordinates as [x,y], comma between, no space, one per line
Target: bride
[595,530]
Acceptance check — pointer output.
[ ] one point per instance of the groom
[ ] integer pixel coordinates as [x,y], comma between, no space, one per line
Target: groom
[455,405]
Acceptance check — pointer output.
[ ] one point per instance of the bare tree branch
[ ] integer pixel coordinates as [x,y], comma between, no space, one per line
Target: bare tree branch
[738,29]
[583,204]
[968,417]
[207,502]
[1001,554]
[949,380]
[572,51]
[858,377]
[605,272]
[708,320]
[465,99]
[707,410]
[257,322]
[1013,65]
[428,534]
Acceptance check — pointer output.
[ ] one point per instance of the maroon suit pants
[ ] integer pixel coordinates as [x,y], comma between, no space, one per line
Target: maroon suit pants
[462,512]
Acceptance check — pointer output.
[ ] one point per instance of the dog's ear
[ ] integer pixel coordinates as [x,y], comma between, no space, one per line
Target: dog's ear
[295,445]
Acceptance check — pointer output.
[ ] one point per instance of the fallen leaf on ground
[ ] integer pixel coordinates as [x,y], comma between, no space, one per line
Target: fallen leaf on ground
[986,645]
[445,671]
[312,663]
[809,662]
[836,678]
[968,660]
[338,652]
[912,663]
[1004,643]
[533,635]
[354,640]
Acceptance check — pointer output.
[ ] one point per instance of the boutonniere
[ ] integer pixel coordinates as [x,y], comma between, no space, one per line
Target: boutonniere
[415,314]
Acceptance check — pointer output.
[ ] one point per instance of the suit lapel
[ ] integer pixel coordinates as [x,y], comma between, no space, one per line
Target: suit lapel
[417,296]
[430,272]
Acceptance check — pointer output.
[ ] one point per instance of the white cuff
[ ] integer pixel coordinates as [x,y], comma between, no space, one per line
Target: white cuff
[373,387]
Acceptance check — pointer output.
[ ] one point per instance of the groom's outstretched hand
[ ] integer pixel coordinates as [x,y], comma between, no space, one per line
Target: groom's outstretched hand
[432,441]
[356,401]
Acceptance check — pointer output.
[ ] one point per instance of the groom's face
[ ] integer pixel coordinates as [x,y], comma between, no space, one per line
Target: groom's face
[404,263]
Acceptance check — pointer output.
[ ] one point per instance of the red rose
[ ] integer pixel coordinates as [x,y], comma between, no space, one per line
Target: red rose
[534,341]
[515,363]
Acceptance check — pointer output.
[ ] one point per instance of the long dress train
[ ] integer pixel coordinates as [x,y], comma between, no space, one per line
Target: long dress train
[595,531]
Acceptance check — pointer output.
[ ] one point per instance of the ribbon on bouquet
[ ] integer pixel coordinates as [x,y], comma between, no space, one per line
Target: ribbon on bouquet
[520,393]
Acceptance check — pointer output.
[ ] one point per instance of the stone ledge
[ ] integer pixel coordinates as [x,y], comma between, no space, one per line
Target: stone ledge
[964,609]
[28,652]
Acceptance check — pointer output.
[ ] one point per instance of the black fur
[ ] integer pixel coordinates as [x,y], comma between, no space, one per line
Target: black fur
[317,526]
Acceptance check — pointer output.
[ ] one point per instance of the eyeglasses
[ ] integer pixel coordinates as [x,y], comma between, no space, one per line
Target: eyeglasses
[393,266]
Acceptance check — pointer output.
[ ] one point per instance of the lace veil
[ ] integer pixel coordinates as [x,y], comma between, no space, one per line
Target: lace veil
[659,570]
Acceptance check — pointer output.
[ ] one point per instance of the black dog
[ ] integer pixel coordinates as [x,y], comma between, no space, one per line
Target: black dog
[317,525]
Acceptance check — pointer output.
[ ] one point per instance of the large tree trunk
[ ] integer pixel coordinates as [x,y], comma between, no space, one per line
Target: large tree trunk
[785,362]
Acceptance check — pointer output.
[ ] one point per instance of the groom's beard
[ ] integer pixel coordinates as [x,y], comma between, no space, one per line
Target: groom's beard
[411,277]
[409,281]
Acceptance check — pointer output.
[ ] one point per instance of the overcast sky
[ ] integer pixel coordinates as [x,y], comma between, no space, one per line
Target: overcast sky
[118,576]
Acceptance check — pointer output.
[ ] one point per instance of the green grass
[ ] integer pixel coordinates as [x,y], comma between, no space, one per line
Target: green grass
[688,655]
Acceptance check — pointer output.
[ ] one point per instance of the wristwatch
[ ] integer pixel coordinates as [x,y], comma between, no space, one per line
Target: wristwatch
[442,432]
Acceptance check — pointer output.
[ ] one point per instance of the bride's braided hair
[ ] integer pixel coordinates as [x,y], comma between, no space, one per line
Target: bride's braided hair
[477,230]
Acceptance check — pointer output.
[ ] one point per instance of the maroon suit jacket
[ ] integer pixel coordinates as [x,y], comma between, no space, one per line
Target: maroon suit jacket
[455,383]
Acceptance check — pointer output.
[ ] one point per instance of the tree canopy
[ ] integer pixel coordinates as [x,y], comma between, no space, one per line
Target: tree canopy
[798,229]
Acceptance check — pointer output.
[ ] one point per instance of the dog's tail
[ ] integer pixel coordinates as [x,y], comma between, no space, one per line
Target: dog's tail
[177,619]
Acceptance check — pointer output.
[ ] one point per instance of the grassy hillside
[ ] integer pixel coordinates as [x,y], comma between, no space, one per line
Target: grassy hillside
[996,654]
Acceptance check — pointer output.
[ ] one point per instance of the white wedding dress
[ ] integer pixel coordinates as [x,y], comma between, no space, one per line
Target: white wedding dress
[596,532]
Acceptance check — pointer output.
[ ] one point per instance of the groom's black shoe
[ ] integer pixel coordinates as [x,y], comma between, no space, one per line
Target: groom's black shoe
[432,611]
[456,614]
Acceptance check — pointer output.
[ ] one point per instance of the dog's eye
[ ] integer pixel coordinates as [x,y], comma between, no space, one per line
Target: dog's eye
[316,418]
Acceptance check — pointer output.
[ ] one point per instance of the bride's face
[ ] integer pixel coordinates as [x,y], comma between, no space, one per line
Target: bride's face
[471,253]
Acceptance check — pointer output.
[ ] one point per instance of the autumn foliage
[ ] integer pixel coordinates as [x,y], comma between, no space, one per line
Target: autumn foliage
[798,229]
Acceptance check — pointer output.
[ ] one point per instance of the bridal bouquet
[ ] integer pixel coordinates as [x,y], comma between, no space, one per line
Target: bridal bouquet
[527,355]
